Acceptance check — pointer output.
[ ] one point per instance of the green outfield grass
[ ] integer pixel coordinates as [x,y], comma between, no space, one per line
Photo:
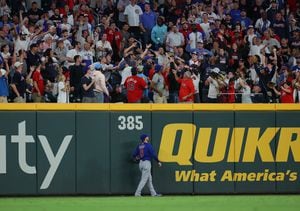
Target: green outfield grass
[165,203]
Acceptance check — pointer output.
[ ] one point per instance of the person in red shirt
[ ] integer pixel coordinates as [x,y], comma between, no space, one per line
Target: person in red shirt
[185,30]
[38,85]
[187,89]
[231,92]
[292,4]
[85,10]
[135,87]
[115,38]
[113,34]
[286,93]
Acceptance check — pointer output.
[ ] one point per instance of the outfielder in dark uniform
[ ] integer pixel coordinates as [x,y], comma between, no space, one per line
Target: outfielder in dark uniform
[144,152]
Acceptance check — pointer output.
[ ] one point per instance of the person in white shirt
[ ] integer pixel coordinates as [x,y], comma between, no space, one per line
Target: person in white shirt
[262,24]
[67,43]
[196,80]
[205,25]
[161,56]
[174,39]
[270,42]
[211,15]
[103,46]
[4,9]
[250,35]
[251,70]
[194,60]
[121,7]
[100,84]
[158,85]
[70,18]
[125,73]
[194,37]
[65,25]
[214,87]
[132,15]
[256,48]
[22,42]
[63,90]
[71,53]
[246,91]
[87,55]
[5,52]
[25,27]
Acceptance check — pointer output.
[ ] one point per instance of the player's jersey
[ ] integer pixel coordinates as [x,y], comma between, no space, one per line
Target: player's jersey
[145,151]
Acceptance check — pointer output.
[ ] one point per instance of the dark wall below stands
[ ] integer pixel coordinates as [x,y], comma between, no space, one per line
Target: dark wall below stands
[50,152]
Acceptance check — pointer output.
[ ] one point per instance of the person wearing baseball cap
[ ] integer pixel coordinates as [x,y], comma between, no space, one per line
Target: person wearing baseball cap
[158,85]
[100,86]
[18,84]
[144,153]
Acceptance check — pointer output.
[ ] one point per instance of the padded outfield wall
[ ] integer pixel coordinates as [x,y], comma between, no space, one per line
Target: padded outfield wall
[55,149]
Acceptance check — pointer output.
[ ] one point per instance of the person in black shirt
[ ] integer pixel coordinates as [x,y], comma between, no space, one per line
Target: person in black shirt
[18,84]
[32,57]
[271,11]
[258,96]
[50,72]
[76,73]
[279,26]
[179,52]
[173,85]
[88,85]
[255,11]
[57,20]
[34,13]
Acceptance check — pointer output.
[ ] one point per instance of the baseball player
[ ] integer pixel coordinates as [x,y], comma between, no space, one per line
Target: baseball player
[144,153]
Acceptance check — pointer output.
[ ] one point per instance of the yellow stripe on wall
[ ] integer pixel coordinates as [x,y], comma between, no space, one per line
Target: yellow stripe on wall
[287,107]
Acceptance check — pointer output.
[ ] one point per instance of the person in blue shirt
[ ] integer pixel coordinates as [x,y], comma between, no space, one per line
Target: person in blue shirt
[244,20]
[200,50]
[296,68]
[146,79]
[147,22]
[3,86]
[144,153]
[159,33]
[235,12]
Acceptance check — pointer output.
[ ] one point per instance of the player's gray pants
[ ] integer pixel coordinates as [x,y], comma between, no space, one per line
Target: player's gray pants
[145,168]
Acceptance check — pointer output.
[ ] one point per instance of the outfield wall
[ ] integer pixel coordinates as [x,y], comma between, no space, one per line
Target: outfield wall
[53,149]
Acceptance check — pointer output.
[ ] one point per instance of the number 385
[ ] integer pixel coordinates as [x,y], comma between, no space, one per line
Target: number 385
[130,123]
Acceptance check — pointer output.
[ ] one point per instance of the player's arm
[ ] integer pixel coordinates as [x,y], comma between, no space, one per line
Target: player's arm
[136,154]
[153,155]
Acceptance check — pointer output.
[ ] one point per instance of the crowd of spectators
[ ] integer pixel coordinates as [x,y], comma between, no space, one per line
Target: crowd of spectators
[150,51]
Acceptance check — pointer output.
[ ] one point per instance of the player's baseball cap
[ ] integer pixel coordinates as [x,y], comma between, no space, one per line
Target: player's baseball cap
[143,136]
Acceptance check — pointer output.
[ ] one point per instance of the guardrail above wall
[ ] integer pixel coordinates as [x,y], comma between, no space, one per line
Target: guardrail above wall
[147,107]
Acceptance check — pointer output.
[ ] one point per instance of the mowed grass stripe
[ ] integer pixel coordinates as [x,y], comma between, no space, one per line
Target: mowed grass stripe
[165,203]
